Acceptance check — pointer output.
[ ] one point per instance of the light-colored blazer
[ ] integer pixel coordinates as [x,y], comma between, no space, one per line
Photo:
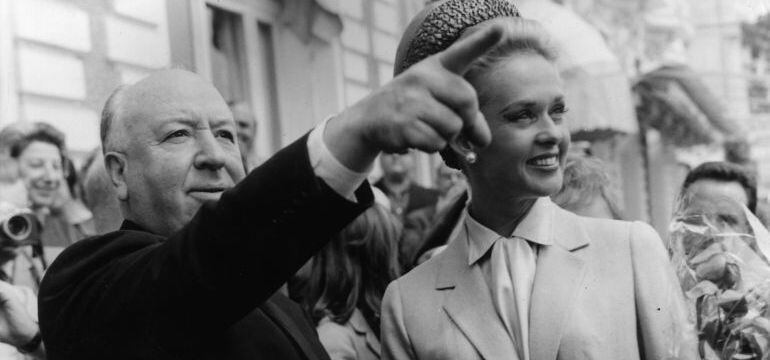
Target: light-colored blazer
[354,340]
[604,290]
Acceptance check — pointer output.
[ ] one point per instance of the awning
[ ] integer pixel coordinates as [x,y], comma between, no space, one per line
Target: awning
[312,18]
[598,91]
[701,95]
[676,102]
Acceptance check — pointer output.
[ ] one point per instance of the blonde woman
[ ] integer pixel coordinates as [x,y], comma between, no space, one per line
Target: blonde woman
[523,279]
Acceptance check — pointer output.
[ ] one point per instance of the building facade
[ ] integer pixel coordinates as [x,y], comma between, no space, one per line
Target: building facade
[294,62]
[60,59]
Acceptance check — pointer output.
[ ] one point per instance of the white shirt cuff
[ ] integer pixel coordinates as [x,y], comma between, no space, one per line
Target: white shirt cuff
[341,179]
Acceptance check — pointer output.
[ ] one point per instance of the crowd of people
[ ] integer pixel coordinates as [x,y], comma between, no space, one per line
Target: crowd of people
[174,241]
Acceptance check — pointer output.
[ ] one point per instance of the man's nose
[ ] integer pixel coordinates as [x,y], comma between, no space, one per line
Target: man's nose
[210,154]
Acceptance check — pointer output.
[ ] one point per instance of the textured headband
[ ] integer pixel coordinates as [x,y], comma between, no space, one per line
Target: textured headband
[440,24]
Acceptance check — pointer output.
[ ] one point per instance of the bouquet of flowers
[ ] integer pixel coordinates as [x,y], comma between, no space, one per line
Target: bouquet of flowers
[719,250]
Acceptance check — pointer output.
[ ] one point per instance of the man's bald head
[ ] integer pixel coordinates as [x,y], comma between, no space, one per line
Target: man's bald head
[109,113]
[156,88]
[169,144]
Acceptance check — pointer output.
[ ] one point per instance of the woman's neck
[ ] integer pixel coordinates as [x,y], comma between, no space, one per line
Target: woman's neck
[499,213]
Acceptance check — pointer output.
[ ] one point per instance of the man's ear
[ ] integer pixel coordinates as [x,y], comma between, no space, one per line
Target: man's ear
[115,163]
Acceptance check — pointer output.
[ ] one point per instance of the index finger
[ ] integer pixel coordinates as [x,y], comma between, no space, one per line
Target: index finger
[461,54]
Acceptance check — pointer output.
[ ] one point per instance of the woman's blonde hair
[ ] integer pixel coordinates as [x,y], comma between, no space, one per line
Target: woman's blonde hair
[521,36]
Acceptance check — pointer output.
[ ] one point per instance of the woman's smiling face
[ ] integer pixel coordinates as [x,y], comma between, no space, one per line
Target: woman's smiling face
[522,99]
[40,166]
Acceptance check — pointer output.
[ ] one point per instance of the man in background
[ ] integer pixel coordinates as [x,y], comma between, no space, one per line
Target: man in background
[406,196]
[99,194]
[246,125]
[724,179]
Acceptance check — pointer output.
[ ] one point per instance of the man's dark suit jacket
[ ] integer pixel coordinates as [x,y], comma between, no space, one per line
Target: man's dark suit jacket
[419,197]
[206,292]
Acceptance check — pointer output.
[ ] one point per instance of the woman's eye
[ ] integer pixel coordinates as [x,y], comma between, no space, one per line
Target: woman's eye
[557,112]
[522,116]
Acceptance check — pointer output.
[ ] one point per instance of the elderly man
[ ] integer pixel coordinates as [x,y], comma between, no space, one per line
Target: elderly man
[192,272]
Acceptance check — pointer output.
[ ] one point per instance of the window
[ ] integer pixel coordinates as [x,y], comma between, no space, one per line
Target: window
[372,30]
[235,49]
[226,52]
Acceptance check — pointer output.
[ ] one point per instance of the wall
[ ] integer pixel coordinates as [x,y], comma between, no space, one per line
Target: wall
[663,180]
[372,30]
[716,54]
[60,59]
[65,57]
[180,30]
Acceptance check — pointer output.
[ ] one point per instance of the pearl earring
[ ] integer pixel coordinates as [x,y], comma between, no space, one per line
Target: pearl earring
[471,157]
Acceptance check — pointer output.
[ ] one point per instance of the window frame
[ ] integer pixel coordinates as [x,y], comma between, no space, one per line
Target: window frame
[9,96]
[259,92]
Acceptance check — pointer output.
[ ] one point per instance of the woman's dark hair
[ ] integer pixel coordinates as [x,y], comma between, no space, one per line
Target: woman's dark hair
[354,269]
[45,133]
[41,132]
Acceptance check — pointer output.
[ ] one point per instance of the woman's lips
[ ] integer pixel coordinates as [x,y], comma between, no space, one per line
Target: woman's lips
[43,191]
[549,161]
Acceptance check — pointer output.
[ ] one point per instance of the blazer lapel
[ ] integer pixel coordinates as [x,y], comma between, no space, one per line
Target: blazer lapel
[273,310]
[361,327]
[469,304]
[559,275]
[373,343]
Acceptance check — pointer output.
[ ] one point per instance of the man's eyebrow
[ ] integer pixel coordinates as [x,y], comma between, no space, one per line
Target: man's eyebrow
[181,120]
[193,123]
[217,122]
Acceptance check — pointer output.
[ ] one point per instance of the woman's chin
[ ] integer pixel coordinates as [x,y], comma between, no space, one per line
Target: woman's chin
[547,192]
[42,201]
[545,186]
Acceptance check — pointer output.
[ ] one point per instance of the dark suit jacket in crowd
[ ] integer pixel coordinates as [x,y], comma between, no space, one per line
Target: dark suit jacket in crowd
[419,197]
[440,231]
[206,292]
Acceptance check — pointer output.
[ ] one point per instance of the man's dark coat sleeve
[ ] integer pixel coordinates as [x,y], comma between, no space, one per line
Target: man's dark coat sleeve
[131,292]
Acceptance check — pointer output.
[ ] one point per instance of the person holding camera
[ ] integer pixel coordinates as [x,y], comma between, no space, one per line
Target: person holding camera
[44,168]
[38,151]
[19,332]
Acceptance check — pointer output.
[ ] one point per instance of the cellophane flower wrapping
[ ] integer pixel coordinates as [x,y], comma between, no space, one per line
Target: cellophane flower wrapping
[716,246]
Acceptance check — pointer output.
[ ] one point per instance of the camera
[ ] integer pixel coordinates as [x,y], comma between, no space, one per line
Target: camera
[18,227]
